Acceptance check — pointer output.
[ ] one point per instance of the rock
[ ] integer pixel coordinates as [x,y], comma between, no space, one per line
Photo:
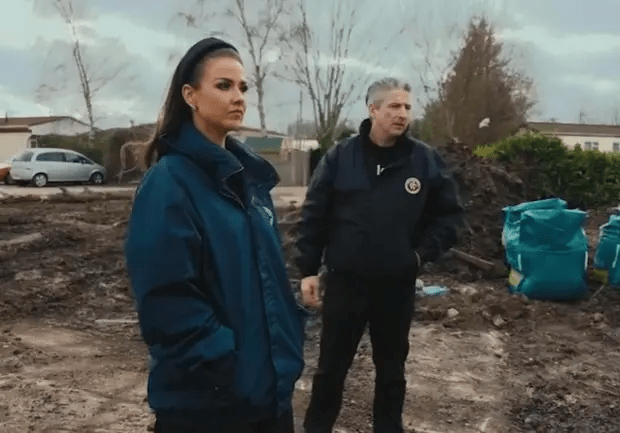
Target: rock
[452,313]
[533,419]
[467,290]
[570,399]
[498,321]
[598,317]
[28,275]
[21,240]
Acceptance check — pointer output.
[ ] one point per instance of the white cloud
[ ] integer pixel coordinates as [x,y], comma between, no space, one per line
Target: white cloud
[372,69]
[562,45]
[150,43]
[141,40]
[117,107]
[599,85]
[15,105]
[19,27]
[21,30]
[154,46]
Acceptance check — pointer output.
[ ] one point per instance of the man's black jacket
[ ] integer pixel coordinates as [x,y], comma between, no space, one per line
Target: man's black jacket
[374,227]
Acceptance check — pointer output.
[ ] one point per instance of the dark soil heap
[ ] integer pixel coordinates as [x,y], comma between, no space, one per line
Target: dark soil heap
[486,187]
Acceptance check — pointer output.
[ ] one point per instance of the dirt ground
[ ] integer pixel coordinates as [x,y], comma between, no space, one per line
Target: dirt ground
[71,357]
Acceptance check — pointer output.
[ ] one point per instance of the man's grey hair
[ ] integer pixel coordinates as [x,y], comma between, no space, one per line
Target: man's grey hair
[378,88]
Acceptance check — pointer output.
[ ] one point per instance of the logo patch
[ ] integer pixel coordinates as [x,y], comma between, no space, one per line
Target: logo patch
[270,217]
[264,210]
[413,185]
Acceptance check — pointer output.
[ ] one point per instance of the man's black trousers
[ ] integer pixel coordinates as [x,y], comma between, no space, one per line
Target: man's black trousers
[350,304]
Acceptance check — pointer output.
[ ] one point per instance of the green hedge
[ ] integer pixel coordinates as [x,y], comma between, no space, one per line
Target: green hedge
[550,168]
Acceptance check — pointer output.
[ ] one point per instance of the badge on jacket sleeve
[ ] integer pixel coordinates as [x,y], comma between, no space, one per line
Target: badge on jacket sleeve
[270,217]
[263,210]
[413,185]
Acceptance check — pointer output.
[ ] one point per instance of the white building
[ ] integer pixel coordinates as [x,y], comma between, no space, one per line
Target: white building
[19,133]
[605,138]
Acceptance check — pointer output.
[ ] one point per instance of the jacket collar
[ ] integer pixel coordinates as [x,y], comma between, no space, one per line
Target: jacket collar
[220,163]
[364,131]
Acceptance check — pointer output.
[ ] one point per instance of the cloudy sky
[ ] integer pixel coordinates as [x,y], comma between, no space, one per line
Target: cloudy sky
[571,48]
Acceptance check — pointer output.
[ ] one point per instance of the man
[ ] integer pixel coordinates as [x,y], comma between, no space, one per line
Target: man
[378,207]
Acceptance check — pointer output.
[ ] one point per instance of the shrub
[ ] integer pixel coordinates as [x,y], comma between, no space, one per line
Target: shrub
[551,169]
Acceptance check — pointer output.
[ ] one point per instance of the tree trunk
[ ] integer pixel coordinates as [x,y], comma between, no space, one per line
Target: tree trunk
[261,100]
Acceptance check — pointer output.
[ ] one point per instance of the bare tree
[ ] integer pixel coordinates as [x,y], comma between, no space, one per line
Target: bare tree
[325,72]
[91,79]
[432,76]
[262,29]
[197,16]
[260,37]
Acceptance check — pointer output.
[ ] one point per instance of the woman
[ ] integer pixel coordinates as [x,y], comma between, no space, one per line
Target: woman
[204,257]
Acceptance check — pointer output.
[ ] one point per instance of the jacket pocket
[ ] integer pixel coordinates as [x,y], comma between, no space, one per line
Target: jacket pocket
[203,385]
[220,371]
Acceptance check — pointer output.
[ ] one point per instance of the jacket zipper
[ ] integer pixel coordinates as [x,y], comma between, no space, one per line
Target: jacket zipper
[234,196]
[254,241]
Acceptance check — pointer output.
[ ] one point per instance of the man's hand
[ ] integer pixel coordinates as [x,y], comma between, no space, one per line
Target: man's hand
[310,292]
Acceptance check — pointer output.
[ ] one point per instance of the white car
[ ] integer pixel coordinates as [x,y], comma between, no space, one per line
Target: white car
[41,166]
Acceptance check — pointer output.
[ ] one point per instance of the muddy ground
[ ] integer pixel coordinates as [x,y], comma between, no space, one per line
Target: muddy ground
[71,357]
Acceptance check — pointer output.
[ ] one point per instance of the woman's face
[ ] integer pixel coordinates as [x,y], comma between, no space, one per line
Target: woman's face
[219,98]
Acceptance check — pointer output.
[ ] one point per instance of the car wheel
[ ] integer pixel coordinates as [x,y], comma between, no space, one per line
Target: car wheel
[96,179]
[39,180]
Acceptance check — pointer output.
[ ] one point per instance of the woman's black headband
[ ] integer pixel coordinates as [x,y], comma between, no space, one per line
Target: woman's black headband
[197,52]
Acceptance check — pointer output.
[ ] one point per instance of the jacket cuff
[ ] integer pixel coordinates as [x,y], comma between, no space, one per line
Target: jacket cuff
[422,254]
[307,272]
[306,267]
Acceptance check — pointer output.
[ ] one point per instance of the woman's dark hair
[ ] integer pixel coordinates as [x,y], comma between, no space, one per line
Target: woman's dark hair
[175,111]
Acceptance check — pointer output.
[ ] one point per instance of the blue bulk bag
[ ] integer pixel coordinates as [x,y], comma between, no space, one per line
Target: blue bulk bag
[609,239]
[547,251]
[511,219]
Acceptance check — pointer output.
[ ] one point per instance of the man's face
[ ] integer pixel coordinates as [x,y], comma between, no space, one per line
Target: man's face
[393,116]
